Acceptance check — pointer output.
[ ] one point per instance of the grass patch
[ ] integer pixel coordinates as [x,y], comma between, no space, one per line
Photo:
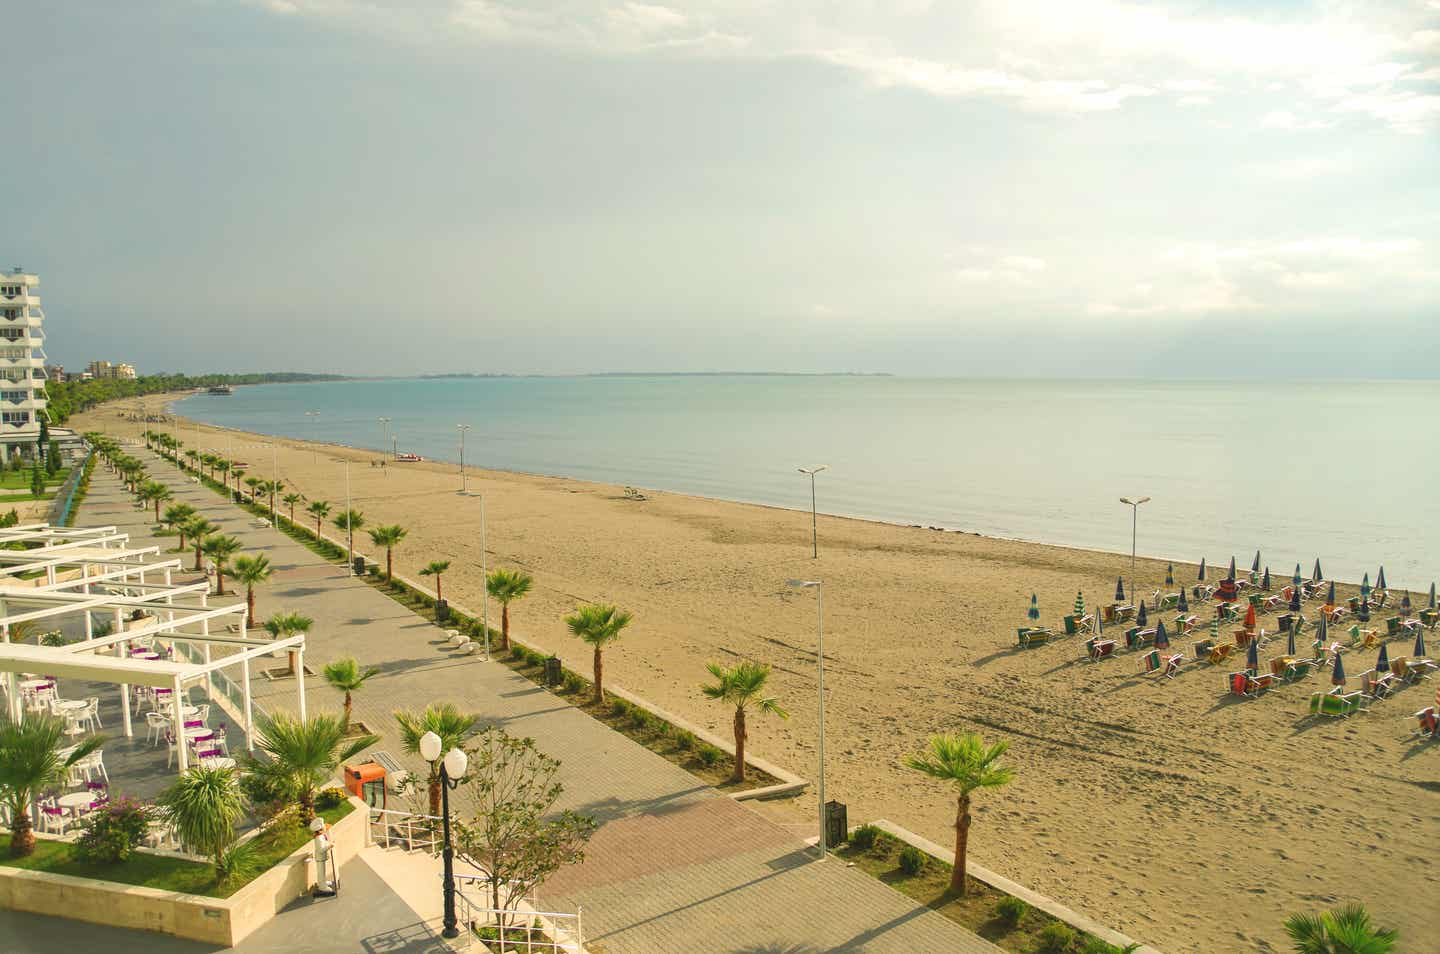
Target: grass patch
[20,480]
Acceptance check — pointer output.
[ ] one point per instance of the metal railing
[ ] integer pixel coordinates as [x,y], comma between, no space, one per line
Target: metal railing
[525,928]
[407,831]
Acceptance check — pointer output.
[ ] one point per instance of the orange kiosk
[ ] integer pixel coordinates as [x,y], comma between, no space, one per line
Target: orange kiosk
[367,783]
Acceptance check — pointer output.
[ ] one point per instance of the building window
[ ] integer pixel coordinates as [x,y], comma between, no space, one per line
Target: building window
[15,417]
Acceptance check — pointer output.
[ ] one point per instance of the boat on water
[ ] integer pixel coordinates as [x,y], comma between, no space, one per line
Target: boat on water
[409,458]
[221,389]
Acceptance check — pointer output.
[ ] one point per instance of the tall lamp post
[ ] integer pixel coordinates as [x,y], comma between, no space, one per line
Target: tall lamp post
[349,520]
[314,448]
[820,684]
[452,770]
[386,422]
[814,536]
[1134,529]
[462,428]
[484,583]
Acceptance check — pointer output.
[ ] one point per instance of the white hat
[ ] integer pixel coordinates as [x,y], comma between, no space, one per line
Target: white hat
[317,824]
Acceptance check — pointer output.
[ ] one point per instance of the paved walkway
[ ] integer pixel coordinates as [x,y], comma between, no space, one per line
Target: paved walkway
[675,865]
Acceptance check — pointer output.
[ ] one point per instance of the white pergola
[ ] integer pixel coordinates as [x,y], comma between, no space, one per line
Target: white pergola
[93,570]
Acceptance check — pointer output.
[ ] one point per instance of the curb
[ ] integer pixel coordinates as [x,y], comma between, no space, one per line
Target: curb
[1036,900]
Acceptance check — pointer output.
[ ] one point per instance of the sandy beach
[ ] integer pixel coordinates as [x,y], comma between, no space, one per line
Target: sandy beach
[1162,807]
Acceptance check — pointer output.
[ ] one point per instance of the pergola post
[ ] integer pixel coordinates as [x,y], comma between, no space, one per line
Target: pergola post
[125,710]
[178,720]
[249,716]
[89,621]
[13,703]
[205,631]
[300,678]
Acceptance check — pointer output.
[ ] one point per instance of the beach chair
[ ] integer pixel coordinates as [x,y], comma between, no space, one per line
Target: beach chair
[1168,602]
[1184,624]
[1369,638]
[1029,637]
[1291,668]
[1412,670]
[1335,614]
[1378,598]
[1244,637]
[1285,621]
[1079,625]
[1335,704]
[1378,685]
[1429,720]
[1098,649]
[1409,627]
[1135,637]
[1150,662]
[1392,626]
[1220,653]
[1429,617]
[1245,685]
[1173,662]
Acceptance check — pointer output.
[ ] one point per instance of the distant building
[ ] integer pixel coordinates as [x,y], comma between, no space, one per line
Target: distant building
[22,363]
[104,369]
[56,373]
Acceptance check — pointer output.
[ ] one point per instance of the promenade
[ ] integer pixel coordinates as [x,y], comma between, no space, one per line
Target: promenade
[675,865]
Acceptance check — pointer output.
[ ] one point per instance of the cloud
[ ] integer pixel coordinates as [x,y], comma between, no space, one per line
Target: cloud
[1002,269]
[1300,167]
[1284,119]
[1194,101]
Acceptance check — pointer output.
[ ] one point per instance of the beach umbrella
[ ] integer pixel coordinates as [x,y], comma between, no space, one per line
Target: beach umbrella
[1380,580]
[1432,595]
[1250,617]
[1162,638]
[1141,618]
[1231,574]
[1295,599]
[1317,576]
[1365,588]
[1382,662]
[1079,603]
[1337,676]
[1255,567]
[1099,625]
[1119,589]
[1405,603]
[1034,608]
[1323,630]
[1295,580]
[1201,577]
[1364,612]
[1330,597]
[1184,604]
[1215,630]
[1252,657]
[1290,643]
[1265,583]
[1170,574]
[1419,644]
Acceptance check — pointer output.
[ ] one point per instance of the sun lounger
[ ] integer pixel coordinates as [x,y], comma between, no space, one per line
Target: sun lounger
[1310,589]
[1098,649]
[1248,686]
[1410,670]
[1392,626]
[1379,598]
[1378,685]
[1369,638]
[1119,612]
[1429,720]
[1335,613]
[1409,627]
[1202,648]
[1202,592]
[1135,637]
[1290,668]
[1220,653]
[1184,624]
[1243,638]
[1173,662]
[1272,602]
[1429,617]
[1079,625]
[1167,602]
[1037,636]
[1334,704]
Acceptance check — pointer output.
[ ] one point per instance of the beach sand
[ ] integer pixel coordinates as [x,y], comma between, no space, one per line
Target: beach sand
[1161,807]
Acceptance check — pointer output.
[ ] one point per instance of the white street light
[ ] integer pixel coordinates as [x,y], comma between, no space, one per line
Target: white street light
[349,518]
[814,537]
[464,488]
[429,746]
[1134,529]
[820,687]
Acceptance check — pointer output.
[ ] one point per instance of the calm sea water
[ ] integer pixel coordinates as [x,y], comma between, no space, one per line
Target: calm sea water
[1343,471]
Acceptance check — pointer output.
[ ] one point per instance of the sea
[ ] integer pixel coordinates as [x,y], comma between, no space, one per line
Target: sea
[1340,471]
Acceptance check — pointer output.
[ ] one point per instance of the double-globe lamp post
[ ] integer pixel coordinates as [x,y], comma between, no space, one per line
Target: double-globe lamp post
[820,684]
[1134,530]
[452,770]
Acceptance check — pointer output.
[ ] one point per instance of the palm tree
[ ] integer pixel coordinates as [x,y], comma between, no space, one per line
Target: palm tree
[194,455]
[220,548]
[741,686]
[1345,930]
[506,586]
[252,571]
[435,568]
[965,760]
[237,473]
[223,467]
[198,528]
[30,763]
[254,484]
[175,517]
[319,509]
[152,491]
[203,806]
[388,536]
[347,676]
[286,624]
[446,721]
[599,625]
[290,500]
[303,754]
[350,521]
[207,461]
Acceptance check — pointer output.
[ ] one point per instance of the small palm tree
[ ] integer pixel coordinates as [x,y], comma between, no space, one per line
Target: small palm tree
[742,686]
[446,721]
[1345,930]
[966,761]
[599,625]
[303,754]
[319,509]
[274,487]
[176,516]
[152,491]
[198,528]
[222,467]
[435,568]
[290,500]
[506,586]
[30,763]
[250,572]
[254,484]
[347,676]
[389,536]
[220,547]
[203,806]
[350,521]
[282,625]
[193,454]
[237,473]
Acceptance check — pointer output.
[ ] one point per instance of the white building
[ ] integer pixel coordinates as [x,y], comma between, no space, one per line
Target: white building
[22,363]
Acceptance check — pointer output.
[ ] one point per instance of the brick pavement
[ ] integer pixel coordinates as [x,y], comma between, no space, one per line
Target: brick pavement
[675,865]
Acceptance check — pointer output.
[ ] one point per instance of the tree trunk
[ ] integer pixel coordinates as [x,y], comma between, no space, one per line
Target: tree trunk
[249,604]
[438,595]
[434,794]
[307,806]
[198,564]
[182,542]
[739,773]
[317,528]
[219,580]
[389,574]
[962,837]
[345,722]
[22,839]
[505,631]
[599,677]
[157,511]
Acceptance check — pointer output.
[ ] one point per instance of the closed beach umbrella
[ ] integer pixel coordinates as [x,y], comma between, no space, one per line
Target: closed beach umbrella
[1405,603]
[1337,676]
[1265,583]
[1322,632]
[1364,612]
[1419,644]
[1170,574]
[1252,657]
[1380,580]
[1231,574]
[1330,598]
[1034,608]
[1295,599]
[1140,617]
[1184,604]
[1250,617]
[1079,604]
[1201,577]
[1119,589]
[1295,580]
[1382,662]
[1290,643]
[1317,576]
[1162,638]
[1215,630]
[1432,595]
[1255,567]
[1365,587]
[1099,625]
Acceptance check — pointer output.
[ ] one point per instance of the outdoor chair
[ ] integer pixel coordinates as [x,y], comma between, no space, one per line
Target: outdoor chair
[1337,704]
[1220,653]
[1098,649]
[1029,637]
[1429,720]
[155,726]
[91,714]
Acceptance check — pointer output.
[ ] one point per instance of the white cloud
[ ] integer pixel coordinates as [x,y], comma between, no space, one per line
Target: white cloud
[1284,119]
[1015,270]
[1194,101]
[1300,167]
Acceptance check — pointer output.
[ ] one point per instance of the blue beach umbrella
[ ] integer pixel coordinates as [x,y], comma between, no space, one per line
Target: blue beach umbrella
[1231,575]
[1419,644]
[1290,643]
[1317,576]
[1405,603]
[1201,577]
[1099,625]
[1330,597]
[1363,614]
[1322,632]
[1380,580]
[1295,580]
[1255,567]
[1295,599]
[1382,662]
[1141,618]
[1119,589]
[1034,608]
[1252,657]
[1337,676]
[1184,604]
[1365,587]
[1170,574]
[1265,582]
[1162,638]
[1432,596]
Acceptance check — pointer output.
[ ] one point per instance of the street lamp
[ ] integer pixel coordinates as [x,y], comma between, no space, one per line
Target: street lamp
[484,583]
[1134,527]
[452,770]
[462,428]
[820,684]
[814,539]
[314,448]
[386,421]
[349,518]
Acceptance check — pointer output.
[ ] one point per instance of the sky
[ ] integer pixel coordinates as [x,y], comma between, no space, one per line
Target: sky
[1073,188]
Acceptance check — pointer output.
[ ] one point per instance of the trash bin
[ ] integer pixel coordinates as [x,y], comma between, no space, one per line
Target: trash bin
[554,673]
[837,823]
[359,566]
[442,611]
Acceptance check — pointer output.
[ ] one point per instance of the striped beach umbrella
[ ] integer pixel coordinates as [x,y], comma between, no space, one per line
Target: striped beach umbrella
[1364,612]
[1184,603]
[1295,580]
[1365,587]
[1380,580]
[1265,582]
[1162,638]
[1141,618]
[1201,576]
[1419,644]
[1252,657]
[1405,604]
[1337,675]
[1215,630]
[1290,643]
[1317,576]
[1034,608]
[1250,617]
[1330,597]
[1170,574]
[1119,589]
[1255,567]
[1382,662]
[1231,575]
[1079,603]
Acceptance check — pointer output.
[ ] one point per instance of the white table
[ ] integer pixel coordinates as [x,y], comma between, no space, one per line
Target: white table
[76,800]
[148,655]
[186,711]
[30,685]
[218,762]
[199,734]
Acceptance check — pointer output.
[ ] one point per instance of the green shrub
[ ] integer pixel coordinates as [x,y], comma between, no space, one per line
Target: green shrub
[708,755]
[517,652]
[536,659]
[1093,945]
[912,861]
[110,835]
[619,707]
[328,798]
[641,719]
[1009,911]
[574,683]
[864,837]
[1056,937]
[684,740]
[263,794]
